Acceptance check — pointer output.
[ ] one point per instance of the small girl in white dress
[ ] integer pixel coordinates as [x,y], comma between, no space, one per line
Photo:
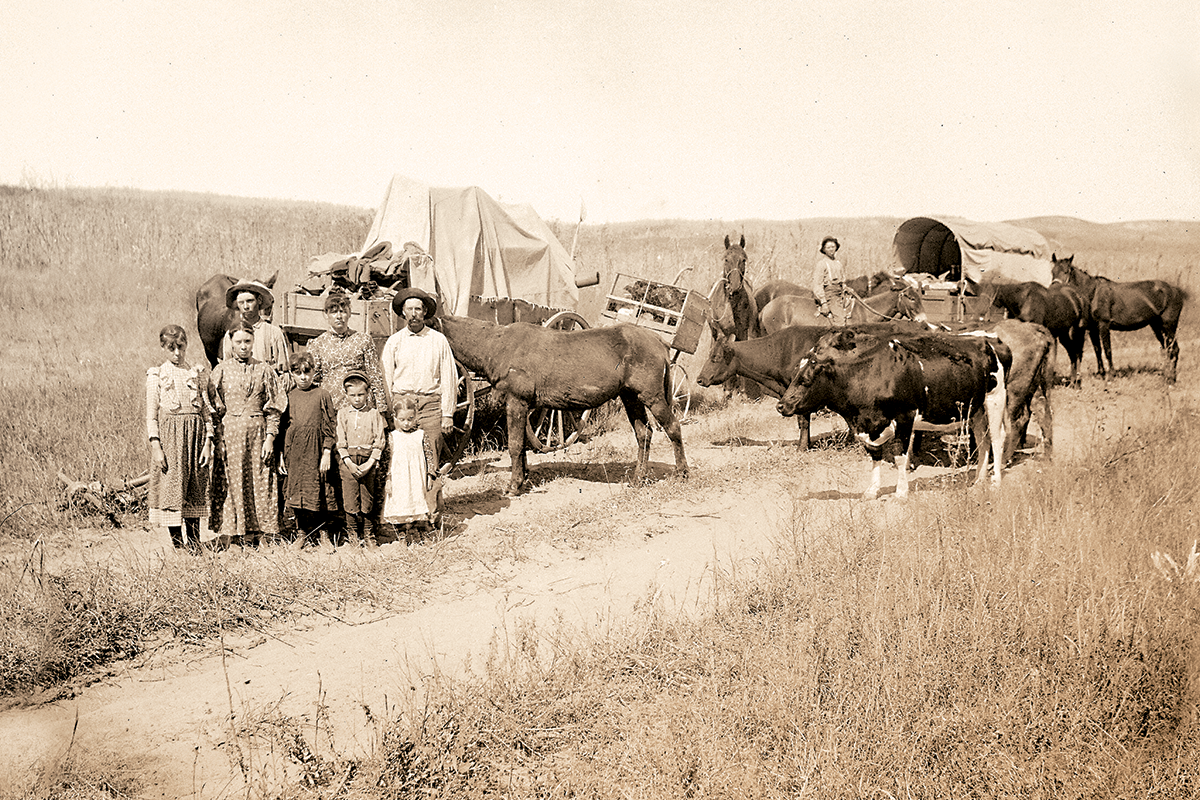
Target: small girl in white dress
[408,478]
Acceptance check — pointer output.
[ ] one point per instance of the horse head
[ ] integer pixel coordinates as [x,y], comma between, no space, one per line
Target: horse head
[733,269]
[1062,269]
[909,303]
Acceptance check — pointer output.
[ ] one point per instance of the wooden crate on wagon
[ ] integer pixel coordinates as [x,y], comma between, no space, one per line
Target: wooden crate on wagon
[629,300]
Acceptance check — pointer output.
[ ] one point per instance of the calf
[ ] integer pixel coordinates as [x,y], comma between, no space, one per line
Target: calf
[885,384]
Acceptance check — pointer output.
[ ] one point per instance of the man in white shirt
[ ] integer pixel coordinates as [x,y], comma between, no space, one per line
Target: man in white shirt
[417,360]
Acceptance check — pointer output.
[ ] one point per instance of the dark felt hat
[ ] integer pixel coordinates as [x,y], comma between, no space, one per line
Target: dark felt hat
[356,374]
[409,293]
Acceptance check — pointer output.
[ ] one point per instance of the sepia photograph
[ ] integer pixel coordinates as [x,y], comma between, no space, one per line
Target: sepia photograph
[599,400]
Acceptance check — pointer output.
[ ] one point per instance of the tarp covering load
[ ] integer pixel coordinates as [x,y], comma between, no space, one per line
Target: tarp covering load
[478,246]
[982,252]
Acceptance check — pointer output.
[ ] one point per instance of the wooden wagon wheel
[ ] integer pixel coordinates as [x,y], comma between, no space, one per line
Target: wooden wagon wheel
[549,429]
[464,420]
[681,391]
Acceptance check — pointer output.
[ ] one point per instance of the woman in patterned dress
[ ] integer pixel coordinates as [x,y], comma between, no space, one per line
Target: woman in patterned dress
[181,441]
[340,350]
[248,399]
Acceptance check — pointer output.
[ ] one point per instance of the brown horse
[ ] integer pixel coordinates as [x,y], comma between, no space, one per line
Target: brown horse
[213,317]
[863,285]
[537,366]
[1059,308]
[731,301]
[777,288]
[897,299]
[1125,306]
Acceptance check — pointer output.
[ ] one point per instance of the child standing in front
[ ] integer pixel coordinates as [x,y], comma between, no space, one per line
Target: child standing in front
[180,430]
[408,480]
[308,442]
[249,400]
[360,439]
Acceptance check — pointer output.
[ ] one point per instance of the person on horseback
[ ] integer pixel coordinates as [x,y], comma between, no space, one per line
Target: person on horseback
[829,284]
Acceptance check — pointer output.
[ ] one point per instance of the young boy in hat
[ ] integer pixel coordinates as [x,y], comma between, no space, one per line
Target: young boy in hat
[251,299]
[360,438]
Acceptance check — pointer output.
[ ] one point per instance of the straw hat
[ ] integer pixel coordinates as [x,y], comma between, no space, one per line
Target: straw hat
[409,293]
[265,298]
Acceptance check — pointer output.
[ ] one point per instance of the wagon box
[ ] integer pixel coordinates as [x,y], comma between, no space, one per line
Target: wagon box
[679,327]
[303,316]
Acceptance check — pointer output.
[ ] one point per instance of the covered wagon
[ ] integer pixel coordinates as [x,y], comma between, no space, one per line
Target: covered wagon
[961,257]
[480,258]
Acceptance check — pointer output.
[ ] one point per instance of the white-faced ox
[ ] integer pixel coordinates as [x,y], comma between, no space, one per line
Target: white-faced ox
[883,385]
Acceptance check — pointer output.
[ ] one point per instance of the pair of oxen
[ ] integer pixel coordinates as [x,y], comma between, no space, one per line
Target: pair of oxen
[889,379]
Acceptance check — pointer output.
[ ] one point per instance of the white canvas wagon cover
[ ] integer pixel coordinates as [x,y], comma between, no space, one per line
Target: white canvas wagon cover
[479,246]
[987,251]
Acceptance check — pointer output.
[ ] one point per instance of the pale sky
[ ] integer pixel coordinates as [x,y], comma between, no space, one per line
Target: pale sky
[693,109]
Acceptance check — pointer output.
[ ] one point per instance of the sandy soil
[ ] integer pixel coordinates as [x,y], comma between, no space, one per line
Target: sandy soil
[171,714]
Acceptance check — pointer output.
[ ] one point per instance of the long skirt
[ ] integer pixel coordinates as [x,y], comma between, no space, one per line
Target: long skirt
[245,496]
[181,491]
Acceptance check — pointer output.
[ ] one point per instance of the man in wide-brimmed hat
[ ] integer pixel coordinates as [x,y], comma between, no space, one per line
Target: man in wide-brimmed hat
[829,284]
[417,360]
[250,299]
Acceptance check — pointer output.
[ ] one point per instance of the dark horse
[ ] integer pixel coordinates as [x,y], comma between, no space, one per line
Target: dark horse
[896,299]
[731,300]
[213,318]
[1125,306]
[537,366]
[1059,308]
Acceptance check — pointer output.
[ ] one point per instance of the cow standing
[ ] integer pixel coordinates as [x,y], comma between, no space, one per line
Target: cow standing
[884,385]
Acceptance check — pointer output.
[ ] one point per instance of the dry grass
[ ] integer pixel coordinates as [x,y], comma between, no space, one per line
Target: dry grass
[55,626]
[961,645]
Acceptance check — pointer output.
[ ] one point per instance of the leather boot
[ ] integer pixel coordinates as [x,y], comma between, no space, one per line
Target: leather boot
[176,536]
[369,532]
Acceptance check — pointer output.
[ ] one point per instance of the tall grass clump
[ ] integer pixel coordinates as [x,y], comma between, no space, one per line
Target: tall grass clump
[1011,643]
[56,626]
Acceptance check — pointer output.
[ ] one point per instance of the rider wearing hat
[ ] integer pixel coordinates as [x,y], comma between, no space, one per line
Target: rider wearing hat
[417,360]
[251,299]
[829,284]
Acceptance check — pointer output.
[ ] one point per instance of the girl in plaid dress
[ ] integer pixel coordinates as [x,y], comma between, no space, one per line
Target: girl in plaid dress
[180,430]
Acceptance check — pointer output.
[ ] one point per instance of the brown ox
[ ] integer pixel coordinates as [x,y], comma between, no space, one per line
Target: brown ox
[537,366]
